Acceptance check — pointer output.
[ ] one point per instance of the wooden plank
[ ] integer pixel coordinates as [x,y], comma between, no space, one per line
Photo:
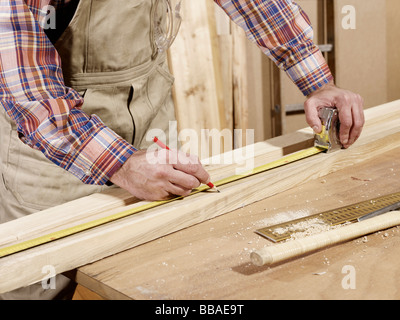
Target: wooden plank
[225,40]
[194,62]
[381,134]
[82,293]
[224,83]
[252,88]
[211,260]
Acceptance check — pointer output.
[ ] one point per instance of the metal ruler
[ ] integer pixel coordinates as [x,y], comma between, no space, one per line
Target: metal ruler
[92,224]
[348,214]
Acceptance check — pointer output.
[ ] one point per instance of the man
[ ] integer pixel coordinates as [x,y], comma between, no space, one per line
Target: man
[85,95]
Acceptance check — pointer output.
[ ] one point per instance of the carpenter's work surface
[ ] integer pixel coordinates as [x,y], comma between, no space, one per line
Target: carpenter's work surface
[211,260]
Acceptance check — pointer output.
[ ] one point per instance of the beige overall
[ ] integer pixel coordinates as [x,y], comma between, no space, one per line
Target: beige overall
[109,56]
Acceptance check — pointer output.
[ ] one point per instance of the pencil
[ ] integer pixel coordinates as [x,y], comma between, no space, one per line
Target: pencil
[162,145]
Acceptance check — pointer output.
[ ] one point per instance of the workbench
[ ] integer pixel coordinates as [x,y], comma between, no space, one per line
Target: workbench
[199,247]
[211,260]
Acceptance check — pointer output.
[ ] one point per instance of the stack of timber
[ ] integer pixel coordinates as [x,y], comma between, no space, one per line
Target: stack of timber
[193,60]
[222,80]
[225,82]
[381,134]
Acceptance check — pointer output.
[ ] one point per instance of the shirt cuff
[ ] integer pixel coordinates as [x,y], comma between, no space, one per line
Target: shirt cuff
[311,73]
[101,156]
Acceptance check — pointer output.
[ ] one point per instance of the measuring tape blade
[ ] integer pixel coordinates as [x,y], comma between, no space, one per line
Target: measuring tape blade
[6,251]
[348,214]
[272,165]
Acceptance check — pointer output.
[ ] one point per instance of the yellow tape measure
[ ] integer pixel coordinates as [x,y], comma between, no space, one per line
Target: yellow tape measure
[95,223]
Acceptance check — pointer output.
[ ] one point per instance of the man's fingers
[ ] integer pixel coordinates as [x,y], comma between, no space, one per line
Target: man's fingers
[351,118]
[358,119]
[191,165]
[181,169]
[153,175]
[312,118]
[349,105]
[178,190]
[346,122]
[185,181]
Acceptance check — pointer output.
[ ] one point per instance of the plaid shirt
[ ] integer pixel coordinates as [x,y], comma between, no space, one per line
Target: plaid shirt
[283,31]
[48,114]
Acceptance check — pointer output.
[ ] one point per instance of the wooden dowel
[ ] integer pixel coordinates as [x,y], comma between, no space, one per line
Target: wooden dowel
[294,248]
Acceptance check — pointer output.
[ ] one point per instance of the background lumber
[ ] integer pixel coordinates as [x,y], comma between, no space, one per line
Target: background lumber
[222,81]
[225,82]
[381,134]
[194,62]
[252,89]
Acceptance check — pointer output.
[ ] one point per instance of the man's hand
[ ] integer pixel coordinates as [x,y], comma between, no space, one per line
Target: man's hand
[160,174]
[349,105]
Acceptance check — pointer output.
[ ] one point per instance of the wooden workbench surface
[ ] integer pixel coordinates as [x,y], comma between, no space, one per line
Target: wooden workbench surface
[211,260]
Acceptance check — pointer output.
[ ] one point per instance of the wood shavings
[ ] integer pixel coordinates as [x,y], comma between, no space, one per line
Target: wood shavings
[305,228]
[358,179]
[283,217]
[319,273]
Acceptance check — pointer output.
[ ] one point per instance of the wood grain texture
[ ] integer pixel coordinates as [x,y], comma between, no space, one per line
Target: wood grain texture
[211,260]
[222,80]
[82,293]
[381,134]
[194,62]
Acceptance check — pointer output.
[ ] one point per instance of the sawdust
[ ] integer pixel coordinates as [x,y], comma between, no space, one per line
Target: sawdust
[305,228]
[282,217]
[297,230]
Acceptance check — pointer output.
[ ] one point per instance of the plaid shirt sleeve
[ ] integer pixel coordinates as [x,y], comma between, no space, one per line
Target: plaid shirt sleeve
[283,31]
[48,114]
